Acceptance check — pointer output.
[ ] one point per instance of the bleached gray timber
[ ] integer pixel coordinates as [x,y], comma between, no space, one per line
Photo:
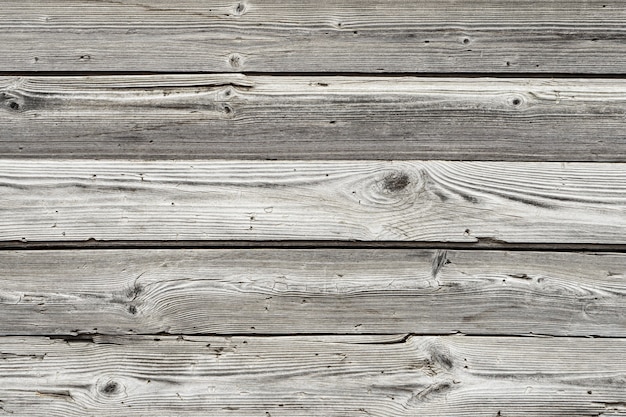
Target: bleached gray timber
[313,117]
[304,376]
[411,201]
[312,291]
[375,36]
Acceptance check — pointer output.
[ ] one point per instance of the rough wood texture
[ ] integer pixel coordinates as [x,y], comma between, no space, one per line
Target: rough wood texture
[312,291]
[304,376]
[259,117]
[291,35]
[74,200]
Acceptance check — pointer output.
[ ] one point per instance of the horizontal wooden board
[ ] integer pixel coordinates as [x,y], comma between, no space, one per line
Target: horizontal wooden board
[304,376]
[312,291]
[262,117]
[411,201]
[294,36]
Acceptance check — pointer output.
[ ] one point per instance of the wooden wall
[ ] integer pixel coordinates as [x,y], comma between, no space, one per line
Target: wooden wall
[285,208]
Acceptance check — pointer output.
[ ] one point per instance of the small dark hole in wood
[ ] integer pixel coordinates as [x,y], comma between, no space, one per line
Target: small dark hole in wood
[240,8]
[13,105]
[516,102]
[466,41]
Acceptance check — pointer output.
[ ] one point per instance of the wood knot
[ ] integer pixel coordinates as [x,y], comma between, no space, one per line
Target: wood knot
[240,8]
[235,60]
[516,101]
[227,110]
[395,182]
[11,102]
[110,388]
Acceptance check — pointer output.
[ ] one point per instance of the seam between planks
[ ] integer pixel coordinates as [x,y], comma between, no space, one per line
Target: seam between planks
[502,75]
[481,245]
[399,338]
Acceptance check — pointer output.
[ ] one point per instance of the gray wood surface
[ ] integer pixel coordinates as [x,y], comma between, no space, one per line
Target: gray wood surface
[304,376]
[129,126]
[312,291]
[269,117]
[291,35]
[424,201]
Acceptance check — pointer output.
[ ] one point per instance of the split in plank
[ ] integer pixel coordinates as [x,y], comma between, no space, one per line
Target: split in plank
[263,117]
[294,36]
[303,376]
[410,201]
[312,291]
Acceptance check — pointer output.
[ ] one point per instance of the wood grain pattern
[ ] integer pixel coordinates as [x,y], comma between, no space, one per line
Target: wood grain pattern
[294,36]
[312,291]
[77,200]
[262,117]
[303,376]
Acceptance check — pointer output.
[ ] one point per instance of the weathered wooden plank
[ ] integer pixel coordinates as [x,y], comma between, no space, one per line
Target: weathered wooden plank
[303,376]
[295,36]
[76,200]
[312,291]
[260,117]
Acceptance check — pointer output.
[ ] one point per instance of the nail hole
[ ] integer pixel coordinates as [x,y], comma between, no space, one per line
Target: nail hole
[516,101]
[466,41]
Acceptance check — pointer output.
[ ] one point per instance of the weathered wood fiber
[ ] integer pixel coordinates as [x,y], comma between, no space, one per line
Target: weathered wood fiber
[261,117]
[76,200]
[304,376]
[312,291]
[291,35]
